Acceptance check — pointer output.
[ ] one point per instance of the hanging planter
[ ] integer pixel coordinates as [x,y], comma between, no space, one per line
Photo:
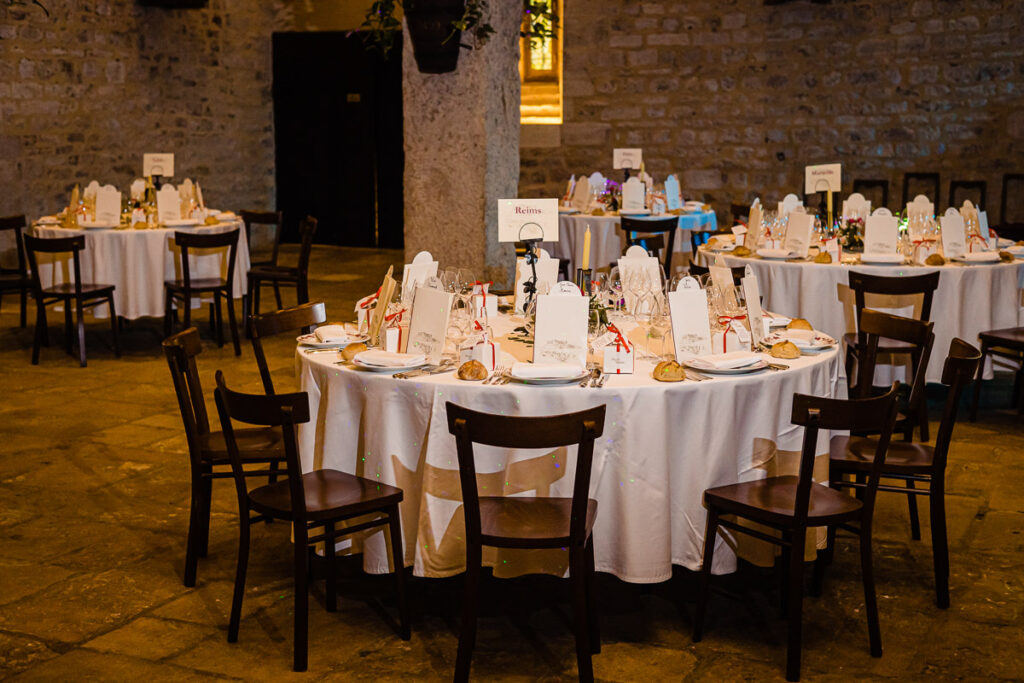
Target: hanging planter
[435,44]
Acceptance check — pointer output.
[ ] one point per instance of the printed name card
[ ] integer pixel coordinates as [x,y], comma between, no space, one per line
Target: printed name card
[158,164]
[881,234]
[632,195]
[798,233]
[629,157]
[429,323]
[414,274]
[673,196]
[108,205]
[823,178]
[547,276]
[525,219]
[168,206]
[581,195]
[560,334]
[755,316]
[954,240]
[691,329]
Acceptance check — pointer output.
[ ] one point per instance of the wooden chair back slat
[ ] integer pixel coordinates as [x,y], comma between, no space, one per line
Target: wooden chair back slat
[959,369]
[636,227]
[307,231]
[307,315]
[274,218]
[876,325]
[59,245]
[181,350]
[16,224]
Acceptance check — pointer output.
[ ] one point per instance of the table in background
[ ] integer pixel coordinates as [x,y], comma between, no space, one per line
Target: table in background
[137,262]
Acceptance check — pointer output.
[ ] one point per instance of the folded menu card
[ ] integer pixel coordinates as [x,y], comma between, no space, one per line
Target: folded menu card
[954,239]
[429,323]
[547,275]
[581,195]
[673,197]
[752,296]
[108,205]
[168,206]
[881,233]
[638,271]
[416,273]
[921,206]
[632,195]
[560,333]
[788,203]
[691,329]
[856,206]
[798,233]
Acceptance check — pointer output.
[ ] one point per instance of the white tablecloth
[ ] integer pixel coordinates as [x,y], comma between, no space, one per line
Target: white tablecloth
[663,444]
[137,262]
[608,241]
[969,299]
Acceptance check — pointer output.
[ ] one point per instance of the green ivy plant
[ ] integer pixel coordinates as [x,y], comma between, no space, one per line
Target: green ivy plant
[539,23]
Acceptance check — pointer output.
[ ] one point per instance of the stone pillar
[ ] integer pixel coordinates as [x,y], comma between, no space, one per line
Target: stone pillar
[462,151]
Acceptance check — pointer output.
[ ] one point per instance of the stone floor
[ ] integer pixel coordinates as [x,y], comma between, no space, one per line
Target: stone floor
[93,511]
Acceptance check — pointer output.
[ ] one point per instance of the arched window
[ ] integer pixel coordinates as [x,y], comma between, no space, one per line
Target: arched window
[540,70]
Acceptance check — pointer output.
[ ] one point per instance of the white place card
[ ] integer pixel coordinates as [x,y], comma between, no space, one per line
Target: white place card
[833,249]
[524,219]
[91,189]
[691,329]
[547,276]
[560,333]
[823,178]
[618,358]
[429,323]
[632,195]
[788,203]
[627,157]
[581,195]
[415,274]
[752,296]
[108,205]
[138,189]
[158,164]
[798,233]
[673,196]
[881,234]
[954,239]
[168,206]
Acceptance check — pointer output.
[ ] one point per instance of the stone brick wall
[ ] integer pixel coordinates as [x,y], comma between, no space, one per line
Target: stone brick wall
[737,97]
[85,91]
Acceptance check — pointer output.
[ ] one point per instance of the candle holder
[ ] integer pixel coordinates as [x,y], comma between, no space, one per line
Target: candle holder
[583,280]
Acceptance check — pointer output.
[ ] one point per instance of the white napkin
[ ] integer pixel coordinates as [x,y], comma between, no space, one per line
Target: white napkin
[774,253]
[725,361]
[331,334]
[778,320]
[546,370]
[388,359]
[983,256]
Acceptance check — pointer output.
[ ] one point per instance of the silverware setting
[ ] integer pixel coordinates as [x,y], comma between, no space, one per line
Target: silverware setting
[447,366]
[696,376]
[777,366]
[496,376]
[312,351]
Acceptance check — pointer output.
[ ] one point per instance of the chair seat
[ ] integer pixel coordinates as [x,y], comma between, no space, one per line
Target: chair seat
[67,289]
[772,500]
[529,522]
[256,443]
[273,273]
[855,453]
[885,345]
[198,284]
[329,493]
[1011,337]
[14,280]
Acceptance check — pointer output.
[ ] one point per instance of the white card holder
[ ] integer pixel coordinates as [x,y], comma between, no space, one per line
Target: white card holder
[618,359]
[560,332]
[168,206]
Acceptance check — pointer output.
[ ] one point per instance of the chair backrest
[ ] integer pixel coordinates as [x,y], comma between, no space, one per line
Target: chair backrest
[976,187]
[502,431]
[283,410]
[181,350]
[661,226]
[699,237]
[869,186]
[16,224]
[876,325]
[1004,200]
[863,284]
[918,179]
[740,212]
[268,324]
[207,240]
[875,415]
[959,369]
[60,245]
[738,272]
[274,218]
[307,230]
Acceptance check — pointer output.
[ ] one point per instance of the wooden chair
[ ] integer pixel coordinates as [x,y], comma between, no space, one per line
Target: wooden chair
[302,317]
[1006,343]
[207,450]
[316,500]
[16,279]
[977,187]
[910,462]
[1010,227]
[791,505]
[738,272]
[82,294]
[640,231]
[701,237]
[183,290]
[871,188]
[507,522]
[740,213]
[863,284]
[283,276]
[931,179]
[275,219]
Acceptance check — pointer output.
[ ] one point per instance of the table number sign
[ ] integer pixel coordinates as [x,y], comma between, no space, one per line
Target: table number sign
[525,219]
[158,164]
[560,334]
[547,276]
[755,316]
[691,329]
[168,206]
[881,233]
[108,205]
[414,274]
[798,233]
[429,323]
[823,178]
[633,196]
[627,157]
[581,195]
[673,196]
[954,240]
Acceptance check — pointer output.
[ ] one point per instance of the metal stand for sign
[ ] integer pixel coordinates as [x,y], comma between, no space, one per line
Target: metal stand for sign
[530,286]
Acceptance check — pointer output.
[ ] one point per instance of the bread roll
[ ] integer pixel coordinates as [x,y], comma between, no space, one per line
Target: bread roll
[211,220]
[350,351]
[799,324]
[784,349]
[669,371]
[823,257]
[741,251]
[934,260]
[597,212]
[472,370]
[1006,257]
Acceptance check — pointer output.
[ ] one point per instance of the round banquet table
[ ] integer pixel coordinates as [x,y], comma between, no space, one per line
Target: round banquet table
[607,239]
[969,299]
[137,262]
[663,444]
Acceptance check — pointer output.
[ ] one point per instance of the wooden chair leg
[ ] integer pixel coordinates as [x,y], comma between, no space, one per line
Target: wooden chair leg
[230,303]
[470,601]
[241,566]
[277,296]
[195,521]
[822,561]
[186,306]
[331,579]
[710,533]
[595,628]
[114,325]
[301,635]
[870,600]
[940,546]
[915,520]
[24,309]
[68,327]
[977,383]
[206,501]
[795,582]
[581,620]
[37,338]
[215,320]
[81,331]
[398,559]
[245,313]
[851,380]
[168,307]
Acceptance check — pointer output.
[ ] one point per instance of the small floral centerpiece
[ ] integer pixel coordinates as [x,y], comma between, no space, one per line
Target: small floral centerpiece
[851,233]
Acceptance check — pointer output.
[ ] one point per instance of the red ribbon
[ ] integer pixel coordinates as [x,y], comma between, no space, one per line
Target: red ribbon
[483,293]
[619,339]
[975,238]
[727,320]
[393,316]
[370,299]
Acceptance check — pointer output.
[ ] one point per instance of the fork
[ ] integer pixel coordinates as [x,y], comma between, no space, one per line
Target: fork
[493,379]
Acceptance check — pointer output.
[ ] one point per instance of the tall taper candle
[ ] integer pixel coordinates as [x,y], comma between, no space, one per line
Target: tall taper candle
[586,249]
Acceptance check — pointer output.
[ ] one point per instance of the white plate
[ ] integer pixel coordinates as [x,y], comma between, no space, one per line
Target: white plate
[638,212]
[978,257]
[181,223]
[543,381]
[48,220]
[746,369]
[311,341]
[775,253]
[90,225]
[820,342]
[566,210]
[884,259]
[392,370]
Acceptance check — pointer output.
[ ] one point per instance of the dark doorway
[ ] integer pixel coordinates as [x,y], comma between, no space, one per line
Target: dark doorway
[338,138]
